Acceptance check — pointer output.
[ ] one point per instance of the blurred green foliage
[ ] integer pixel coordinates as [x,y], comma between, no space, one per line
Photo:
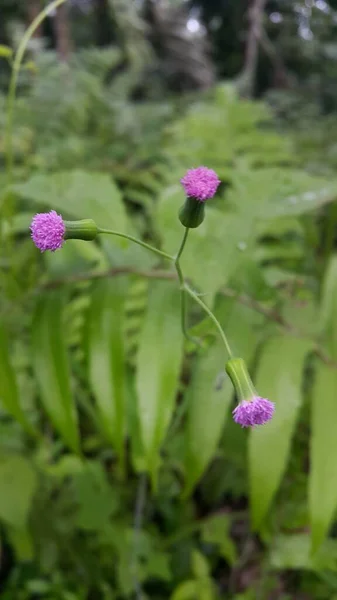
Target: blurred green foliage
[100,394]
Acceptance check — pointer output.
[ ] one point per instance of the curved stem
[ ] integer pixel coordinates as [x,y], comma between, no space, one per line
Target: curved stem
[212,316]
[136,241]
[182,246]
[182,290]
[14,80]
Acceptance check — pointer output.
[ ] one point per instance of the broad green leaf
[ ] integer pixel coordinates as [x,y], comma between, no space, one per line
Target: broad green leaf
[51,366]
[279,378]
[78,194]
[208,398]
[214,250]
[216,530]
[137,450]
[275,192]
[5,51]
[96,500]
[210,392]
[22,542]
[323,452]
[294,552]
[188,590]
[107,366]
[200,565]
[18,482]
[9,395]
[158,367]
[328,308]
[323,478]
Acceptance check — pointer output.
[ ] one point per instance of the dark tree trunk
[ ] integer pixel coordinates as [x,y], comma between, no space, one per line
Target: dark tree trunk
[104,28]
[33,9]
[255,17]
[62,33]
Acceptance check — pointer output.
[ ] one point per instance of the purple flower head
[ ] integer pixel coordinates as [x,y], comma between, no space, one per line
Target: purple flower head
[47,231]
[256,411]
[200,183]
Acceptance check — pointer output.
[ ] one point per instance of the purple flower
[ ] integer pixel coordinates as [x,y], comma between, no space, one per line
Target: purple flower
[200,183]
[256,411]
[47,231]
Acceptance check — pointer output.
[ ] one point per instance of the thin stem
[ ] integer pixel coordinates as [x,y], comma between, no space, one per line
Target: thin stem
[182,246]
[136,241]
[182,289]
[14,80]
[212,316]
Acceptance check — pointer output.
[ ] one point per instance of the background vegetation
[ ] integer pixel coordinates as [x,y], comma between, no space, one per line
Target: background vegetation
[122,474]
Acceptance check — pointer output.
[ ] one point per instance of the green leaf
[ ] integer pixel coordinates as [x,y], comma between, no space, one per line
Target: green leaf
[323,451]
[279,378]
[213,251]
[274,192]
[328,308]
[18,484]
[208,398]
[106,353]
[210,392]
[96,500]
[200,565]
[9,396]
[188,590]
[51,366]
[78,194]
[216,530]
[5,51]
[294,552]
[22,542]
[158,367]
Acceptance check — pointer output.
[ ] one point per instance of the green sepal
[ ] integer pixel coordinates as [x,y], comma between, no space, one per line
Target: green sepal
[192,213]
[237,370]
[85,229]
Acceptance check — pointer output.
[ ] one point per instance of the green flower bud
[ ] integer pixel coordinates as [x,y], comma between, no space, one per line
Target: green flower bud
[237,370]
[85,229]
[192,213]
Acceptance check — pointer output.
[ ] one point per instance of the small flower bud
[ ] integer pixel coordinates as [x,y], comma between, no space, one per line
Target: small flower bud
[252,409]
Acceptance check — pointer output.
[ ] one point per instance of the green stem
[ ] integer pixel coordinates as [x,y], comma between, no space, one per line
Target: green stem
[182,246]
[330,232]
[182,289]
[14,80]
[212,316]
[136,241]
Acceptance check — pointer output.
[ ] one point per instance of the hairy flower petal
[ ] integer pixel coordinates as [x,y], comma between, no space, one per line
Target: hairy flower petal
[200,183]
[257,411]
[47,231]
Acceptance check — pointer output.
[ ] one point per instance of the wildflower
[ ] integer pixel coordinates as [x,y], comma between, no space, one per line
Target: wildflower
[252,409]
[255,411]
[49,230]
[200,183]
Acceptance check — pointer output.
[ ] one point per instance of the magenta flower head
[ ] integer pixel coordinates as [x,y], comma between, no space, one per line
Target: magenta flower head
[252,409]
[199,184]
[49,231]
